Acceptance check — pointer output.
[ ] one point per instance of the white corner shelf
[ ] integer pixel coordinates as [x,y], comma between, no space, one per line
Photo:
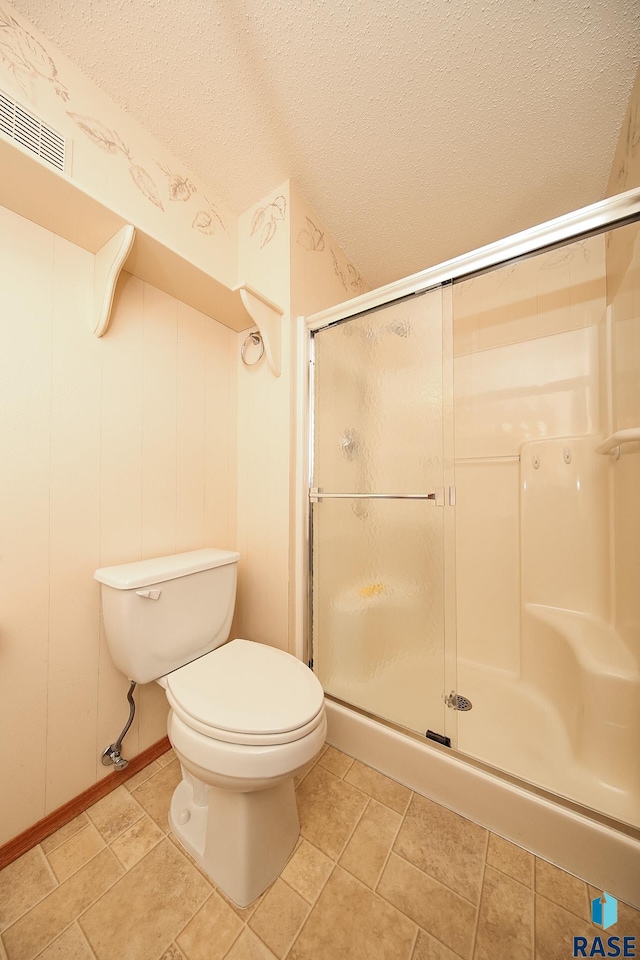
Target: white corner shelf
[110,260]
[32,189]
[267,317]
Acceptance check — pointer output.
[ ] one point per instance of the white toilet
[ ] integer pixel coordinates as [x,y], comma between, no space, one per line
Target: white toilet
[244,718]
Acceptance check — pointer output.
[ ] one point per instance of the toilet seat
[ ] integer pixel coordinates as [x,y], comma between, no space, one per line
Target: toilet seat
[247,693]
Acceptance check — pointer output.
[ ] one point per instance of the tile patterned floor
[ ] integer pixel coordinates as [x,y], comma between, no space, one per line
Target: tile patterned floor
[379,873]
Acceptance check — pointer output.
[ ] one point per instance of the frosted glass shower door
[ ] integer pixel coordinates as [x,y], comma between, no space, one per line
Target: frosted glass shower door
[378,512]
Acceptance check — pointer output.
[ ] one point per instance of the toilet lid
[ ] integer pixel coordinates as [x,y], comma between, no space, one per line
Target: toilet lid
[246,687]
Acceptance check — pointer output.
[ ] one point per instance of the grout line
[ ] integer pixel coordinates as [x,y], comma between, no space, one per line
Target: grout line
[49,867]
[88,860]
[43,897]
[390,850]
[298,931]
[326,857]
[440,882]
[81,932]
[480,898]
[192,917]
[561,906]
[504,873]
[348,840]
[534,921]
[415,939]
[62,842]
[61,934]
[429,933]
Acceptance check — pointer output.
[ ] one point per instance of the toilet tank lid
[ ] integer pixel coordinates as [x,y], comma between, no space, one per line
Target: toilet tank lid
[142,573]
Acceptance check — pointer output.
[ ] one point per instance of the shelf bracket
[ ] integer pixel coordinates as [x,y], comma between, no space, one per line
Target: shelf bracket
[267,317]
[109,261]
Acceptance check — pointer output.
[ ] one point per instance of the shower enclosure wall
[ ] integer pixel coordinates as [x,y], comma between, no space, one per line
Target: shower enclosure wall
[475,508]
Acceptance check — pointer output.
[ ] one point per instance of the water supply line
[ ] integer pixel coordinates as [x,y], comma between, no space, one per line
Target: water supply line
[111,755]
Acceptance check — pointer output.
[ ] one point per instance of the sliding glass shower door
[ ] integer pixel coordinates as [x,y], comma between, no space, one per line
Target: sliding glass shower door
[382,533]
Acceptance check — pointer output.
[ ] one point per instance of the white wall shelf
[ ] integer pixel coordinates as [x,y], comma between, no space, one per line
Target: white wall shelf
[32,189]
[267,316]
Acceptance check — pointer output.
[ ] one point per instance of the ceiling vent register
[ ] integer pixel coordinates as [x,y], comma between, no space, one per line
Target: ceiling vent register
[30,132]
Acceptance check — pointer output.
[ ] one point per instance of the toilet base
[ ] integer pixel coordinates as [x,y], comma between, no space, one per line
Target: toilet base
[241,840]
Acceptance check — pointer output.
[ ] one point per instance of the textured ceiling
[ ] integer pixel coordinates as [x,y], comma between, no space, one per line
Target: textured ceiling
[417,130]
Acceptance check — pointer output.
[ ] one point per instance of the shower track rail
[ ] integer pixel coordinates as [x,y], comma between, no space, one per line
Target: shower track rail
[616,211]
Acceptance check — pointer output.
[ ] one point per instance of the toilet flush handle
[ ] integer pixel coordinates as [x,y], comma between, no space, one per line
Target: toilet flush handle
[149,594]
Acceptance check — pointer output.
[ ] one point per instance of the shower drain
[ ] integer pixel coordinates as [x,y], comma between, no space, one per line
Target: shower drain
[457,702]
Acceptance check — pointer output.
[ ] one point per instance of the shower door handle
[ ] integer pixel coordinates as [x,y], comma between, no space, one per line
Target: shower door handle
[316,494]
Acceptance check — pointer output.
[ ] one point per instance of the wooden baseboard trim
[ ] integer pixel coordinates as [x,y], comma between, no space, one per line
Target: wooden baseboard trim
[53,821]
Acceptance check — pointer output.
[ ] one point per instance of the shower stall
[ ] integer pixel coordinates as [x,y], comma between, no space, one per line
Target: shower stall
[474,509]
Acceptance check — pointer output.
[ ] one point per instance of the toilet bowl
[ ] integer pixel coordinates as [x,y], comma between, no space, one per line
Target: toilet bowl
[244,717]
[244,720]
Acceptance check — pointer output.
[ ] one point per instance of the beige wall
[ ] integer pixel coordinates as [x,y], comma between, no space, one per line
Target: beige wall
[152,440]
[263,434]
[623,283]
[527,342]
[304,274]
[113,157]
[112,450]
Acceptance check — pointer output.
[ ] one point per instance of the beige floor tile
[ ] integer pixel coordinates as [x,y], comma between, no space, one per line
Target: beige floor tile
[173,953]
[349,920]
[379,787]
[329,810]
[71,945]
[65,833]
[437,909]
[444,845]
[279,917]
[505,921]
[152,902]
[75,852]
[555,929]
[115,813]
[132,845]
[47,920]
[628,920]
[155,794]
[142,776]
[245,913]
[167,758]
[22,884]
[510,859]
[299,777]
[565,890]
[192,861]
[366,852]
[307,871]
[211,932]
[428,948]
[628,917]
[249,947]
[336,762]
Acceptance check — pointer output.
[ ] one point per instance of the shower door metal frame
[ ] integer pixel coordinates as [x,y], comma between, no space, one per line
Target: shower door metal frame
[617,211]
[443,496]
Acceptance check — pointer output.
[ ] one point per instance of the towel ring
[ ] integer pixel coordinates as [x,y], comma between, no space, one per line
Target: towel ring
[255,339]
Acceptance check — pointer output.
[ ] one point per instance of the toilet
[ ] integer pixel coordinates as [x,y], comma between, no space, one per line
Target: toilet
[244,717]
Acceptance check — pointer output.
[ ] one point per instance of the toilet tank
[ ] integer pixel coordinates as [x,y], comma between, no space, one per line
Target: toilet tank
[162,613]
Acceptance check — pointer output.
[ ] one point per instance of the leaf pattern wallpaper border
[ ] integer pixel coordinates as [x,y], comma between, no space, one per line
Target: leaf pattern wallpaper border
[28,62]
[265,220]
